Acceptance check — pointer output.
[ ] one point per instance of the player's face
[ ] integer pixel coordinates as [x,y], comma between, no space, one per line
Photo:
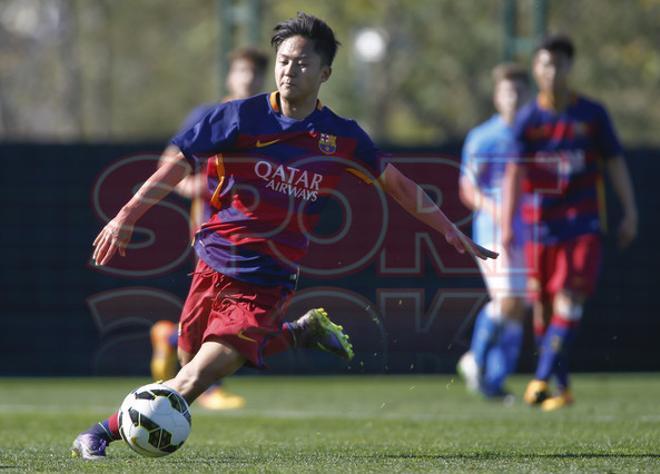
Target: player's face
[551,71]
[244,79]
[509,96]
[299,71]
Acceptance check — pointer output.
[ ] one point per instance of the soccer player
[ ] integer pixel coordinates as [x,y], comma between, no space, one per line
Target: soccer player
[497,335]
[564,141]
[275,155]
[245,78]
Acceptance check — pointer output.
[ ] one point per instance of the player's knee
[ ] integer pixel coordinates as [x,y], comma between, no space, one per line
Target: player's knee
[513,308]
[568,306]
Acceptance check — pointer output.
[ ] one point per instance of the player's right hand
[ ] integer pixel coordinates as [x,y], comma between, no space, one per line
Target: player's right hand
[114,237]
[627,230]
[462,243]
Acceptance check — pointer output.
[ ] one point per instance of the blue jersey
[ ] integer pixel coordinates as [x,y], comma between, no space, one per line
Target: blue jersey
[196,115]
[270,176]
[563,155]
[487,150]
[200,210]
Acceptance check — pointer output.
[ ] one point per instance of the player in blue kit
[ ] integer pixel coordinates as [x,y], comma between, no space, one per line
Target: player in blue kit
[245,78]
[565,141]
[275,159]
[497,336]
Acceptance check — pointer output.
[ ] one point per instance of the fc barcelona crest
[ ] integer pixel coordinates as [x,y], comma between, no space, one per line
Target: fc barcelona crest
[328,143]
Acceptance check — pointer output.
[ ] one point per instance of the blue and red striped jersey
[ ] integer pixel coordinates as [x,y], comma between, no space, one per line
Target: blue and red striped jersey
[562,154]
[270,176]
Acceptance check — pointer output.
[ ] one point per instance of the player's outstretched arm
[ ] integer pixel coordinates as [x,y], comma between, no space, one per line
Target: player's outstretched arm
[116,235]
[622,184]
[414,200]
[192,186]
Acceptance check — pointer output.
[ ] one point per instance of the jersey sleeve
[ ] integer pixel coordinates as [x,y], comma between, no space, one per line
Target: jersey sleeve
[214,133]
[368,156]
[468,165]
[606,137]
[195,116]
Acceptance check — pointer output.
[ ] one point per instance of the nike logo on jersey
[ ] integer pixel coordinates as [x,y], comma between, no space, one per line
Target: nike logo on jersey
[261,144]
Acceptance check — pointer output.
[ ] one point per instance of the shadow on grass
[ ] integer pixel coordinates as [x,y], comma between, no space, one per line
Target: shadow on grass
[485,456]
[249,459]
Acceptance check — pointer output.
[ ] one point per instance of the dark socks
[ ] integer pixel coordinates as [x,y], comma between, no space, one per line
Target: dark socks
[283,341]
[553,353]
[107,429]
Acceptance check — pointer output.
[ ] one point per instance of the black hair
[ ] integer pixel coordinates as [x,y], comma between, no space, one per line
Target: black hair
[557,43]
[308,26]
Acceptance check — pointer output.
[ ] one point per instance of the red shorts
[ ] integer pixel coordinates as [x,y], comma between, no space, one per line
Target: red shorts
[223,309]
[573,265]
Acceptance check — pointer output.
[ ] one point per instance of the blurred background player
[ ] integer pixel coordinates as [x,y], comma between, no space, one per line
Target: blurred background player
[497,335]
[245,78]
[564,140]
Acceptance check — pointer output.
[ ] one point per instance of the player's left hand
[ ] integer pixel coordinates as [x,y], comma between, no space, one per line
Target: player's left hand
[114,238]
[462,243]
[627,230]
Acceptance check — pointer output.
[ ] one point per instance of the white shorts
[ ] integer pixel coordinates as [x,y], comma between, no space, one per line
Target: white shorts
[505,276]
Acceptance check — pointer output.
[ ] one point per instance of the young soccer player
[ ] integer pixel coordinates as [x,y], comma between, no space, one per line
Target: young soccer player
[245,78]
[274,155]
[564,140]
[497,335]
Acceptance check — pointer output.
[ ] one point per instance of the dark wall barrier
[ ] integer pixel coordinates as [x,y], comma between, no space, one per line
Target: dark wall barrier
[407,300]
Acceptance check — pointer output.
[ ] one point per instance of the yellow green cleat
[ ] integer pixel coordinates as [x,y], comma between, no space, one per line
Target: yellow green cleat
[315,330]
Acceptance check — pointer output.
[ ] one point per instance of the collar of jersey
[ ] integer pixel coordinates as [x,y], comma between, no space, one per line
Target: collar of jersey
[545,102]
[274,100]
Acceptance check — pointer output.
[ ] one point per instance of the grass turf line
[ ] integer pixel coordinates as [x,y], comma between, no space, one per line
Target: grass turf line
[350,424]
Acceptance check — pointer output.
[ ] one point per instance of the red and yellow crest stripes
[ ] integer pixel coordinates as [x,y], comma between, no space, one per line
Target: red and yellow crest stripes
[327,143]
[220,172]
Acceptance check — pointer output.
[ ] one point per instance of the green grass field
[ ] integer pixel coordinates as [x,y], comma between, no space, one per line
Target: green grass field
[350,424]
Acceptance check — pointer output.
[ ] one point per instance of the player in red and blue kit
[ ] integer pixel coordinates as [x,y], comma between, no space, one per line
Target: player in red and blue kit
[564,141]
[275,158]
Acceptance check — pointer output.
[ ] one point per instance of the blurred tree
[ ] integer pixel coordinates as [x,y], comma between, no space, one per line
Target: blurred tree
[617,60]
[120,70]
[125,70]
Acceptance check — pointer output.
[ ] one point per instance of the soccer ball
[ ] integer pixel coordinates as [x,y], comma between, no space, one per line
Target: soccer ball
[154,420]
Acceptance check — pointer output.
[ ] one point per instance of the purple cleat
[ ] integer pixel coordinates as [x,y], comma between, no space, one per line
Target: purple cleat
[314,330]
[89,446]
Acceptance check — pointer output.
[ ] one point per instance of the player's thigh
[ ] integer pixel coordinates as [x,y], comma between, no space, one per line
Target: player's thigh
[506,281]
[577,267]
[506,276]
